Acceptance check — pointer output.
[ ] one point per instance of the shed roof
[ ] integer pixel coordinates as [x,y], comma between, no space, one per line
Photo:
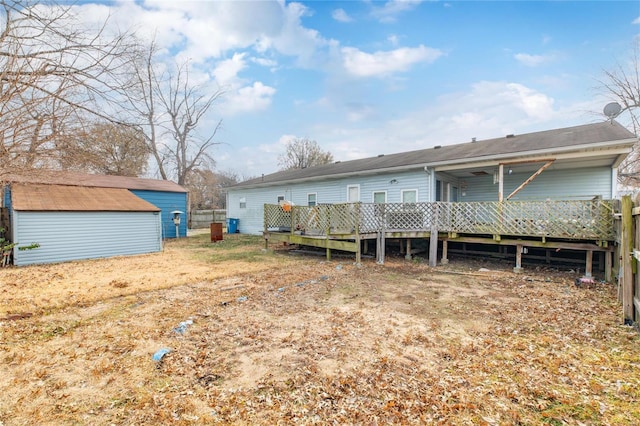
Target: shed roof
[578,138]
[38,197]
[68,178]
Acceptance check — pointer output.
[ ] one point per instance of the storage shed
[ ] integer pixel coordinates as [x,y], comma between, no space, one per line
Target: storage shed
[80,216]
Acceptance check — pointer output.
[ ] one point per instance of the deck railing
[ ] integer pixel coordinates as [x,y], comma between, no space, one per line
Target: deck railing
[582,220]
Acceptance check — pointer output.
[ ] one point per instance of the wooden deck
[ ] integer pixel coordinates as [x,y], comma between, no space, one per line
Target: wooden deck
[574,225]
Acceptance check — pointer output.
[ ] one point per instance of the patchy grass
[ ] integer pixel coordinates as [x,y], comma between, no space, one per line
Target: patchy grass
[275,339]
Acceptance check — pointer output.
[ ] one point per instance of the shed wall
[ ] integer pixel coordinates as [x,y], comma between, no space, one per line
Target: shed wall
[65,236]
[167,202]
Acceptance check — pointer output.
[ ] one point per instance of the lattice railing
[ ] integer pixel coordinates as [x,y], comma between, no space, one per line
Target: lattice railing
[557,219]
[396,216]
[315,220]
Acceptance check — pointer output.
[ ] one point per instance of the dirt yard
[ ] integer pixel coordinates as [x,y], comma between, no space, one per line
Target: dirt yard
[257,337]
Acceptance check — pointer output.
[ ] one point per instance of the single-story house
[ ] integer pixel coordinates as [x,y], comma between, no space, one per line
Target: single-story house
[75,216]
[574,163]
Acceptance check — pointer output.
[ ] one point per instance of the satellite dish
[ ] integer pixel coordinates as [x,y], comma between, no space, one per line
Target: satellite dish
[612,109]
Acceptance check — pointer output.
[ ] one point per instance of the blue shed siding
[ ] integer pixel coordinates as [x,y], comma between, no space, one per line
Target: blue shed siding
[167,202]
[65,236]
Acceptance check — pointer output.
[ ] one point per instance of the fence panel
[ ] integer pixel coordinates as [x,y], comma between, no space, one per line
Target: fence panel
[203,218]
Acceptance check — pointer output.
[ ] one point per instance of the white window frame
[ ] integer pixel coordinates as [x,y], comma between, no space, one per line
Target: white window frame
[315,203]
[243,202]
[402,192]
[349,190]
[373,195]
[280,198]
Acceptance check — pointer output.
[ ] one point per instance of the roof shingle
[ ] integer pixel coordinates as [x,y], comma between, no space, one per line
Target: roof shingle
[564,138]
[39,197]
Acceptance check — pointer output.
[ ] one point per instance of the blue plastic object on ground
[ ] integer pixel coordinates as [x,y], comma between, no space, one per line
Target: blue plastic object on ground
[160,354]
[182,327]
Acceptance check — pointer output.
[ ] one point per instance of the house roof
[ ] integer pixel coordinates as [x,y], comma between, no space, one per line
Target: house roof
[578,138]
[40,197]
[41,176]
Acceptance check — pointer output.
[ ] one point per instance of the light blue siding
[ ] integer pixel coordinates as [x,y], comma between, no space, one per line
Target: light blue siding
[329,191]
[570,184]
[167,202]
[67,236]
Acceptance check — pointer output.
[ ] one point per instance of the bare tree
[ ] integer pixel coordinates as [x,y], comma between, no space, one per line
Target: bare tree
[171,110]
[622,84]
[104,148]
[207,189]
[53,74]
[302,153]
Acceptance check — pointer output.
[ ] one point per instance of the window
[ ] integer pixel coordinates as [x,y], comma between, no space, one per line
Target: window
[280,198]
[409,198]
[409,195]
[438,190]
[243,203]
[311,199]
[380,197]
[353,193]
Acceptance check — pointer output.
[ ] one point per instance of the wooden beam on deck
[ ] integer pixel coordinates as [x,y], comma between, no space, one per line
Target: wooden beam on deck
[531,178]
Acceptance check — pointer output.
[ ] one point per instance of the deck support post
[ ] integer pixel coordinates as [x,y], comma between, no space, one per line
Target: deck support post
[445,246]
[588,270]
[518,267]
[328,253]
[408,255]
[626,249]
[608,261]
[359,249]
[433,246]
[380,243]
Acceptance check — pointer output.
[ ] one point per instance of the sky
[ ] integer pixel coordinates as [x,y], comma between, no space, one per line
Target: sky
[364,78]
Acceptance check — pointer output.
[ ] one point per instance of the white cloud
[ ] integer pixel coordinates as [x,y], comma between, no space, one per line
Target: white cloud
[360,111]
[248,99]
[227,71]
[265,62]
[393,39]
[636,21]
[488,109]
[388,13]
[341,16]
[383,63]
[533,60]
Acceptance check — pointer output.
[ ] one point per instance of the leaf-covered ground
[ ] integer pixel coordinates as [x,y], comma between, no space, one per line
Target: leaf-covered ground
[299,340]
